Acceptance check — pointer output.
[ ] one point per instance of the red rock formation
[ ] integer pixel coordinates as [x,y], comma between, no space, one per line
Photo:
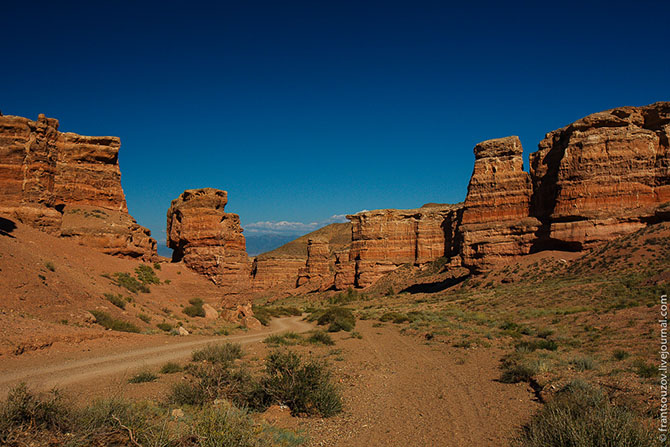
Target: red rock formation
[602,176]
[275,271]
[496,222]
[69,185]
[317,268]
[208,239]
[382,240]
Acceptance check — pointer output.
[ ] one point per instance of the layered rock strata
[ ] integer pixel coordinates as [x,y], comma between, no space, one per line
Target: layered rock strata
[317,268]
[206,238]
[68,185]
[602,176]
[382,240]
[496,222]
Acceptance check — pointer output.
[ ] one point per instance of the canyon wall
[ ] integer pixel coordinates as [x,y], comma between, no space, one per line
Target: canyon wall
[68,185]
[206,238]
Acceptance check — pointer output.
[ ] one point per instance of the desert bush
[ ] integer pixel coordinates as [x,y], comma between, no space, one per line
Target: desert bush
[395,317]
[108,322]
[221,353]
[50,266]
[305,387]
[620,354]
[116,300]
[187,393]
[171,368]
[157,266]
[146,274]
[583,363]
[534,345]
[348,296]
[144,317]
[129,282]
[645,370]
[338,319]
[167,327]
[143,377]
[288,338]
[320,337]
[582,416]
[195,309]
[516,368]
[265,313]
[24,408]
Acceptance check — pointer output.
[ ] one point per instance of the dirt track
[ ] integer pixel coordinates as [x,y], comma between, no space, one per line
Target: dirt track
[61,372]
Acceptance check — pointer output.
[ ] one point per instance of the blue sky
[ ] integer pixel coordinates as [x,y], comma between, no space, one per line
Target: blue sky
[308,110]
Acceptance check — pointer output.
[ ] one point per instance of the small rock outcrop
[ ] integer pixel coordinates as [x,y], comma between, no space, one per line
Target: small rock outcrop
[206,238]
[317,268]
[68,185]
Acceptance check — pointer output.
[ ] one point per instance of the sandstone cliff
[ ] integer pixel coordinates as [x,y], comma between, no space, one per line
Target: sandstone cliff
[382,240]
[206,238]
[68,185]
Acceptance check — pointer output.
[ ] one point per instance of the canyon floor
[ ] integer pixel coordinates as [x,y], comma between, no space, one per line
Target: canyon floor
[424,365]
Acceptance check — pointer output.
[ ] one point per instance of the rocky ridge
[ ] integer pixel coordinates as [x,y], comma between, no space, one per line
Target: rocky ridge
[68,185]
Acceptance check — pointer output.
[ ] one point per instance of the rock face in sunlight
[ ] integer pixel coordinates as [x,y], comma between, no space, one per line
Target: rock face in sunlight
[68,185]
[317,268]
[383,240]
[206,238]
[602,176]
[496,222]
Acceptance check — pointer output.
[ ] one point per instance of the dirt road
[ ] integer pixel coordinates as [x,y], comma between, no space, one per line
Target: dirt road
[46,373]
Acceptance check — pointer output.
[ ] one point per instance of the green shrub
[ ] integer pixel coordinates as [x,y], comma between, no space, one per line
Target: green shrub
[289,338]
[171,368]
[534,345]
[645,370]
[167,327]
[130,283]
[346,297]
[50,266]
[305,387]
[583,363]
[320,337]
[265,313]
[517,369]
[157,265]
[146,274]
[24,408]
[582,416]
[338,319]
[108,322]
[221,353]
[144,317]
[116,300]
[142,377]
[195,309]
[620,354]
[395,317]
[187,393]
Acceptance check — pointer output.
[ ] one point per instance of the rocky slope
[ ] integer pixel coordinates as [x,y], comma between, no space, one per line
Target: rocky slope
[206,238]
[68,185]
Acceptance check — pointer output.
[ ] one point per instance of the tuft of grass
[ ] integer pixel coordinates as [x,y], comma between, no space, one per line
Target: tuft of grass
[171,368]
[129,282]
[583,363]
[195,309]
[157,265]
[620,354]
[108,322]
[287,339]
[645,370]
[395,317]
[144,317]
[582,416]
[26,409]
[146,275]
[320,338]
[534,345]
[167,327]
[266,313]
[221,353]
[116,300]
[50,266]
[516,369]
[143,377]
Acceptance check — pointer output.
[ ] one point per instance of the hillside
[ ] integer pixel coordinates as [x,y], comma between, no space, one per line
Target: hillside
[338,235]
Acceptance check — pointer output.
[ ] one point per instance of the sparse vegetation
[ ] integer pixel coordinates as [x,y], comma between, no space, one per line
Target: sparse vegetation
[265,313]
[620,354]
[50,266]
[116,300]
[129,282]
[167,327]
[108,322]
[146,274]
[144,317]
[143,377]
[171,368]
[582,416]
[195,309]
[338,319]
[218,353]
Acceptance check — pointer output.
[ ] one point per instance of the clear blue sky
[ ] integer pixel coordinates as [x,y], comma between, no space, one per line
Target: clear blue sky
[303,110]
